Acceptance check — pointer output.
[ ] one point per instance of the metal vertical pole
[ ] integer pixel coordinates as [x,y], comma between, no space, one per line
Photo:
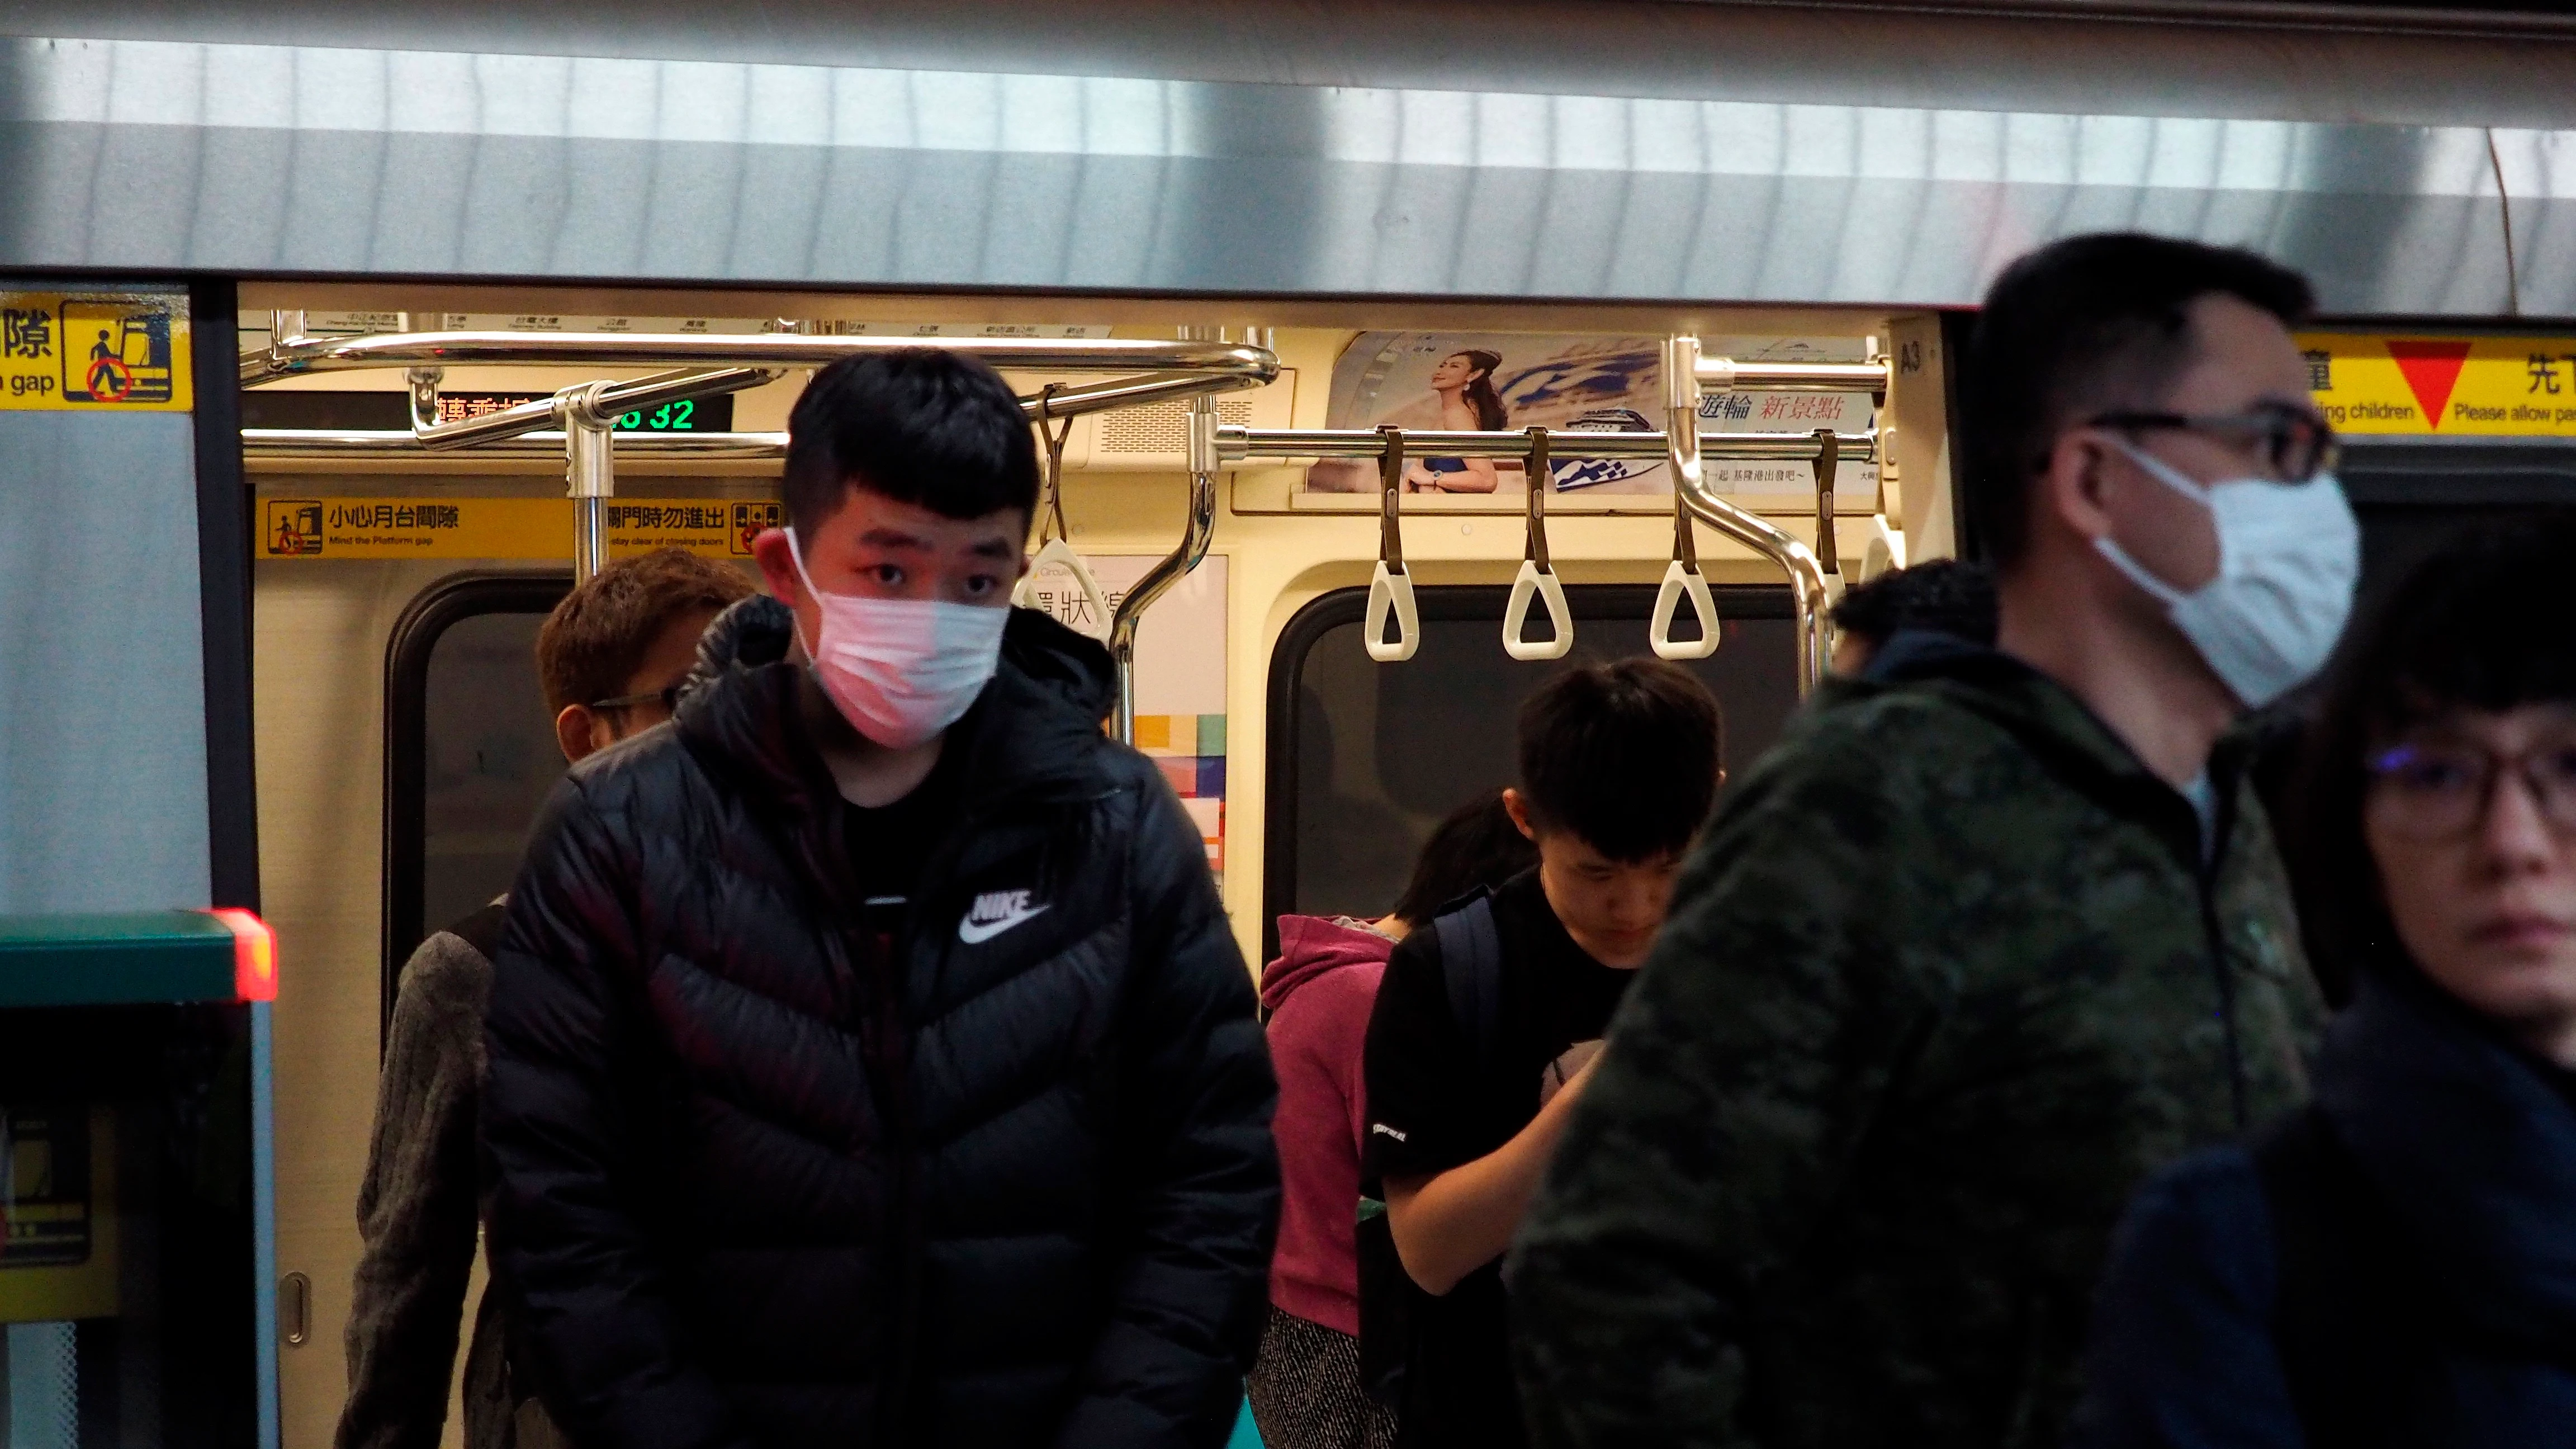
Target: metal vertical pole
[1195,537]
[1809,597]
[590,476]
[424,383]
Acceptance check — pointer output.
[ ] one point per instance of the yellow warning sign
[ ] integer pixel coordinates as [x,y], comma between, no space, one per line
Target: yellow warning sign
[95,352]
[2392,383]
[514,528]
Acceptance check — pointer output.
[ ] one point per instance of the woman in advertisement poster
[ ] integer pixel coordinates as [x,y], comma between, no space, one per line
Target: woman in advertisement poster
[1464,383]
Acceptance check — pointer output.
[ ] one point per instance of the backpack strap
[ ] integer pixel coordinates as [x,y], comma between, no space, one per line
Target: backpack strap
[1471,961]
[481,930]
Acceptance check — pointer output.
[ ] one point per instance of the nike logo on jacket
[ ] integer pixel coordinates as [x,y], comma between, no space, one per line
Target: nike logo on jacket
[993,913]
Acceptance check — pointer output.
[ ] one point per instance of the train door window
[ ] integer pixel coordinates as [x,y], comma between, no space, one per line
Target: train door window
[470,752]
[2410,497]
[1365,758]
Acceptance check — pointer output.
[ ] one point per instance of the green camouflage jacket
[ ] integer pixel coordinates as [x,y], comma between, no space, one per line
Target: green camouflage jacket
[1941,985]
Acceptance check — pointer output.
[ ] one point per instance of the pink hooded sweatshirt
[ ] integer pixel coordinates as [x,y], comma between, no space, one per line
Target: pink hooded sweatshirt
[1319,994]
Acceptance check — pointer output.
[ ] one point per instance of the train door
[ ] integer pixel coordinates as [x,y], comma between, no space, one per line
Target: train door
[405,746]
[2443,431]
[1366,758]
[470,751]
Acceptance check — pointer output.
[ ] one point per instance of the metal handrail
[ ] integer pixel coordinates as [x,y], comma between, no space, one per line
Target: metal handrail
[1233,443]
[1226,366]
[1809,603]
[1236,443]
[592,405]
[1725,374]
[542,443]
[1686,373]
[1196,535]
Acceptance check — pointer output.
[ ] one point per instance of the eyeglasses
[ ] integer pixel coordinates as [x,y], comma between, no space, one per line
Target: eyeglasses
[2297,443]
[2431,791]
[668,698]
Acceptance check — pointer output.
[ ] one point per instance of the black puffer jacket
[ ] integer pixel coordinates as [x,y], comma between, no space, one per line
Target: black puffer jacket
[742,1204]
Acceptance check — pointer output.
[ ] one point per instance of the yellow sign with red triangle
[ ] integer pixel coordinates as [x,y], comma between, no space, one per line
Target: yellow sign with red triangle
[2429,384]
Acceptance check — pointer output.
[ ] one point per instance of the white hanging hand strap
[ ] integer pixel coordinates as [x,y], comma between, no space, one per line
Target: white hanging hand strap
[1392,589]
[1682,575]
[1537,578]
[1054,538]
[1092,617]
[1391,585]
[1527,585]
[1680,582]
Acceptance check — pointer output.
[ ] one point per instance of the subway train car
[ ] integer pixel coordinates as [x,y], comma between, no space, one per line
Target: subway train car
[341,338]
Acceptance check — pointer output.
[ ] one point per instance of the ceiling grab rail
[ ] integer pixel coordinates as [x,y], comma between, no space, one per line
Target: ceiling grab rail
[1537,578]
[1055,537]
[1809,597]
[1160,370]
[1390,583]
[1196,534]
[1682,577]
[1236,442]
[1142,372]
[587,414]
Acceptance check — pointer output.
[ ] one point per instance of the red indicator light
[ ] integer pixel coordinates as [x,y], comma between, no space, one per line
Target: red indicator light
[254,955]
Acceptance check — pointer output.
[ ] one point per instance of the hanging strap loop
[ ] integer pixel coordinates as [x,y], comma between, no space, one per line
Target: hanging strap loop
[1828,458]
[1537,578]
[1055,546]
[1391,585]
[1681,452]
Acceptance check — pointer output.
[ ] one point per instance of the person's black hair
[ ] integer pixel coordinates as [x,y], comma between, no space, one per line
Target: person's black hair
[1947,594]
[1624,756]
[2479,624]
[1476,845]
[2082,326]
[919,424]
[1479,391]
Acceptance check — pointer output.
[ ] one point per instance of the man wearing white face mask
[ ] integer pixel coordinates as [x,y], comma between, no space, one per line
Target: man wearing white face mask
[1991,936]
[871,1061]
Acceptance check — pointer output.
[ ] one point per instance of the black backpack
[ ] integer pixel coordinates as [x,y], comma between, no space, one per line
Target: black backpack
[1471,965]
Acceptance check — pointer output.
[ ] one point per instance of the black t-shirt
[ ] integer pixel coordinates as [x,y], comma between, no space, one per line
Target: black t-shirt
[890,844]
[1431,1108]
[888,847]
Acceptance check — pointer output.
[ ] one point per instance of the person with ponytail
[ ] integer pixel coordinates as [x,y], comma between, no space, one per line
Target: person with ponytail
[1464,382]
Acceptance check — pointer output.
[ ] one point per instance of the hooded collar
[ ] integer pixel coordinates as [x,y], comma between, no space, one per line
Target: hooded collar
[1033,734]
[2472,1146]
[1312,946]
[2051,723]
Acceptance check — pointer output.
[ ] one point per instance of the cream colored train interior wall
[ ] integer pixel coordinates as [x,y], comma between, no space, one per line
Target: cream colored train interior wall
[322,629]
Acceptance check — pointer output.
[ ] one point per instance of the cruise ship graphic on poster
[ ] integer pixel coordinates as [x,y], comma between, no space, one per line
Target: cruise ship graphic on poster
[1489,381]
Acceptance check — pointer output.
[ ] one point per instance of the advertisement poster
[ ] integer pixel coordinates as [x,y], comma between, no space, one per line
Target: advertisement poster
[1180,673]
[1497,381]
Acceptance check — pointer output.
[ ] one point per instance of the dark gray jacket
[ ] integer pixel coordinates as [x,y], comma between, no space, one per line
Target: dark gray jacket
[418,1217]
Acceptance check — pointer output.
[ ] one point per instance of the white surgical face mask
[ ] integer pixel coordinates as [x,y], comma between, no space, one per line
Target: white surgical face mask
[901,670]
[2288,557]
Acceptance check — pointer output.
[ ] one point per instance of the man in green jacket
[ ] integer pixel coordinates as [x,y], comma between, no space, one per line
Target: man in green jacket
[1990,936]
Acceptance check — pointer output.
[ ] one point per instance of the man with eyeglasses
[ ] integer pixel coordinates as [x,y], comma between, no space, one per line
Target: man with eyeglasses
[610,661]
[1991,936]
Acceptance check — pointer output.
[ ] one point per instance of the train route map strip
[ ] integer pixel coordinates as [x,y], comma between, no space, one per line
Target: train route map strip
[2427,384]
[322,527]
[112,350]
